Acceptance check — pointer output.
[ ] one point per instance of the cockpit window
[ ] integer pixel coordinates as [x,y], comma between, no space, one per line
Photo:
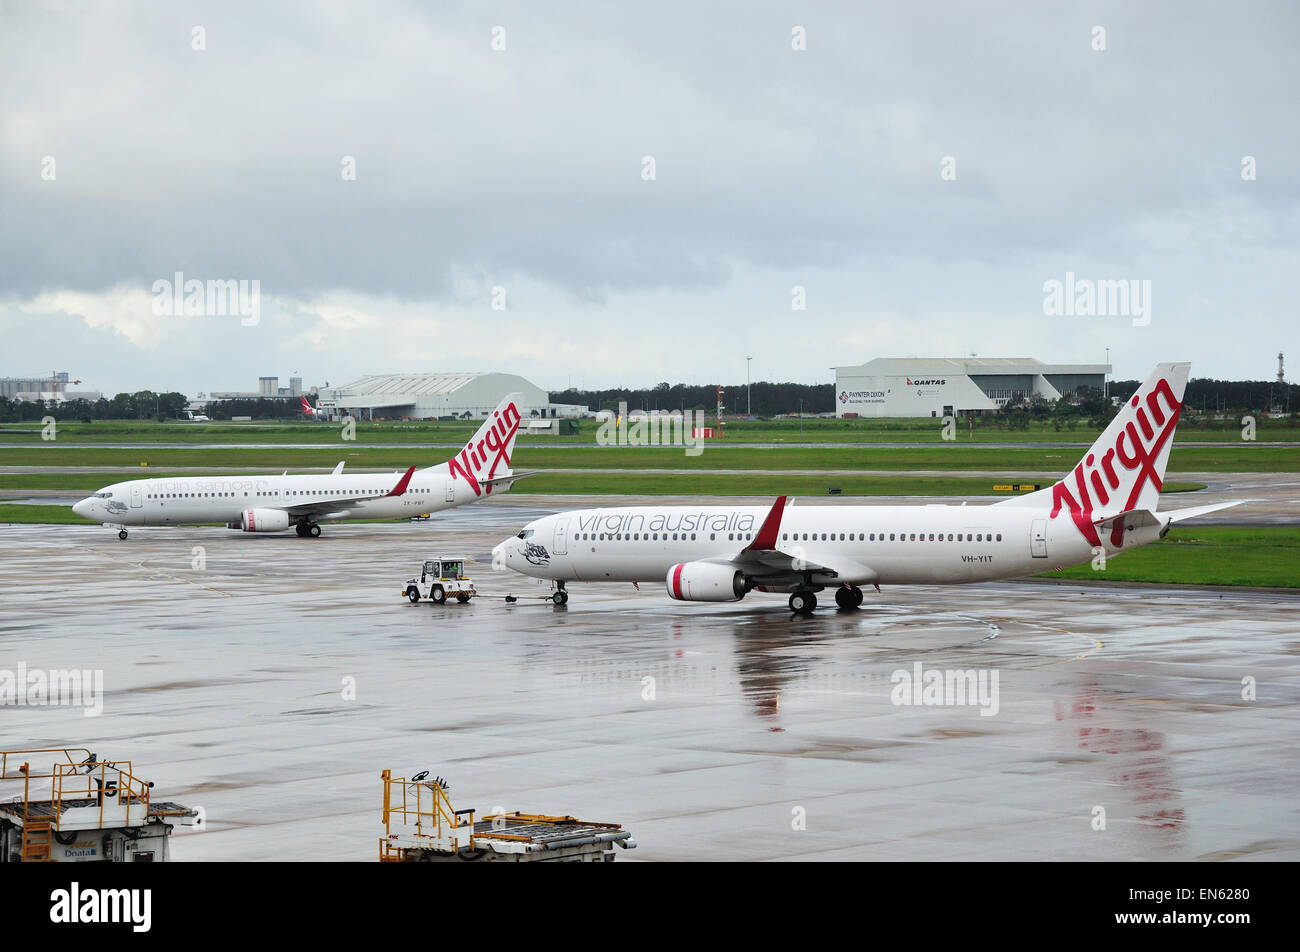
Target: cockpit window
[526,534]
[103,495]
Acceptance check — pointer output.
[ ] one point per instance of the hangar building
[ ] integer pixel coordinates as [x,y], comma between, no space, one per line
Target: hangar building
[434,396]
[929,387]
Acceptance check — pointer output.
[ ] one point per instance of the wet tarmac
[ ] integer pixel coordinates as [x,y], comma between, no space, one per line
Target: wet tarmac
[711,731]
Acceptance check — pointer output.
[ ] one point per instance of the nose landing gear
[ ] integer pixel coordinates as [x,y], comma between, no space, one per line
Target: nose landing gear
[121,533]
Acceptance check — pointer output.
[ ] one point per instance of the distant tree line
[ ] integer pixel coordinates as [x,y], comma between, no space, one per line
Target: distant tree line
[767,399]
[1227,396]
[145,405]
[771,399]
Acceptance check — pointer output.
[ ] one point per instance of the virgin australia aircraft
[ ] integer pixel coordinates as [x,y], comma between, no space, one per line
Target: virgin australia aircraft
[1106,505]
[274,503]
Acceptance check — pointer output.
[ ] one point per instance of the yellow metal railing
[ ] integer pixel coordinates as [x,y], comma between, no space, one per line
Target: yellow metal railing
[423,803]
[18,761]
[73,778]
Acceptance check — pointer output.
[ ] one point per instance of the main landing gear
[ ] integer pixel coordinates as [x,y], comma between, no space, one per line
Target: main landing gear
[848,596]
[560,596]
[803,602]
[307,529]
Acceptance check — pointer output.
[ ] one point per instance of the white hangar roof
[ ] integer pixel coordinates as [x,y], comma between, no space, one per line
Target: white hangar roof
[409,383]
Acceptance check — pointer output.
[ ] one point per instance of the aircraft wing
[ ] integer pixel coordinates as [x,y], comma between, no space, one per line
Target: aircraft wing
[344,503]
[765,563]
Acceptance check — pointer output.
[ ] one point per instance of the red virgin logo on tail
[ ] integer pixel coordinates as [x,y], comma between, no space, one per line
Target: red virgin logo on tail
[1133,451]
[490,451]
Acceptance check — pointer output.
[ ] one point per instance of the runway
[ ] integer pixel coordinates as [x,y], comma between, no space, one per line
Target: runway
[759,735]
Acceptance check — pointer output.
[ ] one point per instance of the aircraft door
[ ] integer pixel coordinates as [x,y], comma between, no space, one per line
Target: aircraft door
[1038,539]
[561,537]
[451,489]
[137,497]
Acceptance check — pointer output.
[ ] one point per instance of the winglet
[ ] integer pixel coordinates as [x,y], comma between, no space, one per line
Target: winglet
[400,488]
[767,534]
[339,468]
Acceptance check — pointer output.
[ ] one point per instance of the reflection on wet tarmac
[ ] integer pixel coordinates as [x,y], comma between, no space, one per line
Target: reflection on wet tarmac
[701,726]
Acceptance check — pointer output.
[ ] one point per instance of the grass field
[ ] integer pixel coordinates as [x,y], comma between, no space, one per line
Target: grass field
[1207,555]
[759,431]
[1230,458]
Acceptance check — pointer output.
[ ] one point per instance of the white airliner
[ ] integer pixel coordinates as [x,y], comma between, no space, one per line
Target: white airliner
[1106,505]
[274,503]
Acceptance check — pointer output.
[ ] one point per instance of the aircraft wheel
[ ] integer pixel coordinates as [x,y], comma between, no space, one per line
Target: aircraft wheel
[560,597]
[315,530]
[802,602]
[413,594]
[437,595]
[844,597]
[857,597]
[121,533]
[462,597]
[300,529]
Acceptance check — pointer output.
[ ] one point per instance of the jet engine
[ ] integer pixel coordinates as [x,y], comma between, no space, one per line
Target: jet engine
[261,520]
[705,582]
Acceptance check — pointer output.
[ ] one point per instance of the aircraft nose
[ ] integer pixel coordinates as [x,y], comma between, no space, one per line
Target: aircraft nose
[83,508]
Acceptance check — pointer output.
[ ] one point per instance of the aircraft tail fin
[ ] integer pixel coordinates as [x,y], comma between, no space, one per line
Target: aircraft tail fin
[1125,469]
[486,457]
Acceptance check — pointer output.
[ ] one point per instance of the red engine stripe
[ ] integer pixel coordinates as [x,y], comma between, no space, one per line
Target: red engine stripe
[677,580]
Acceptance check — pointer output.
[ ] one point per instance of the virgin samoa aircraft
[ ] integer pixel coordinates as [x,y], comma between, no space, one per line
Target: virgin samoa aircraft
[1106,505]
[274,503]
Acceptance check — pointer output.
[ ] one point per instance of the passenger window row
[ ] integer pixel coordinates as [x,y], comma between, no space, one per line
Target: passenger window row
[795,537]
[277,492]
[894,536]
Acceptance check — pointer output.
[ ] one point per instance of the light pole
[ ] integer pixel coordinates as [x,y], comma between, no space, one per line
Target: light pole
[749,407]
[1105,378]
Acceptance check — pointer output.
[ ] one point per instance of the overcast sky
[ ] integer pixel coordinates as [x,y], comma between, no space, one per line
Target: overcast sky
[523,169]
